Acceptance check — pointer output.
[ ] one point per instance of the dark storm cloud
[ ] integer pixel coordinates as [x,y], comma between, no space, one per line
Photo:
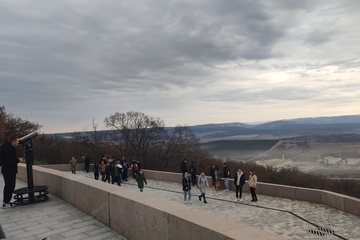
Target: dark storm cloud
[75,56]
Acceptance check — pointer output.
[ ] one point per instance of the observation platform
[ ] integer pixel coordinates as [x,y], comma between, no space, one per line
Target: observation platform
[289,219]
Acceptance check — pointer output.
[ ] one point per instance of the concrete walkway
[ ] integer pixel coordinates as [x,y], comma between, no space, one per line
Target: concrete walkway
[52,219]
[56,219]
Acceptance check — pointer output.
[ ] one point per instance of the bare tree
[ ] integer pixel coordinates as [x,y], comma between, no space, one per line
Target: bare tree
[137,132]
[178,145]
[12,125]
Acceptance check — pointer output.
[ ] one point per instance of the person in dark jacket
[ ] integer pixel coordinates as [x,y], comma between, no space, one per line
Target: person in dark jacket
[183,167]
[87,163]
[239,181]
[9,161]
[96,170]
[140,179]
[187,188]
[226,175]
[212,174]
[193,173]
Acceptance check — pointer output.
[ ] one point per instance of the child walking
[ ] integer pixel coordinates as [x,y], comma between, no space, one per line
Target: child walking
[140,178]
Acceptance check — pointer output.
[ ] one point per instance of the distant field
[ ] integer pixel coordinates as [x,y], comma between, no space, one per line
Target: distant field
[331,156]
[238,150]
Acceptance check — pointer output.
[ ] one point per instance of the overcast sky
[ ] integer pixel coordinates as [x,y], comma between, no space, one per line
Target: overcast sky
[66,62]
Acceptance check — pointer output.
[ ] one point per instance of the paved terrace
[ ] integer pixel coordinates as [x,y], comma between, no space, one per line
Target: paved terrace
[56,219]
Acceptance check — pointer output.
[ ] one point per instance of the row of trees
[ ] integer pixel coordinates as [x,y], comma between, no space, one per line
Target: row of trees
[134,135]
[11,125]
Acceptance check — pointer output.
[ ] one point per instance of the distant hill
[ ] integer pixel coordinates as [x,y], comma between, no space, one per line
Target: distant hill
[325,145]
[278,129]
[267,131]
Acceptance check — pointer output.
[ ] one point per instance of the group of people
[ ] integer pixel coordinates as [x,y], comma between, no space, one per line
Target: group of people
[189,178]
[112,171]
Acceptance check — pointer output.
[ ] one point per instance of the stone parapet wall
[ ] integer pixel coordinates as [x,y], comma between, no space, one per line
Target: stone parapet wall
[123,208]
[331,199]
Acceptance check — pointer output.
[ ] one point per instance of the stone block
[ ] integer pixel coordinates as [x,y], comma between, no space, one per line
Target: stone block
[352,205]
[154,175]
[307,194]
[276,190]
[92,197]
[172,177]
[333,200]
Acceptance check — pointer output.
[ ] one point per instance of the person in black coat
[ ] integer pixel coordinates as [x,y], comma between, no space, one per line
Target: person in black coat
[186,182]
[193,173]
[212,174]
[183,167]
[9,162]
[239,181]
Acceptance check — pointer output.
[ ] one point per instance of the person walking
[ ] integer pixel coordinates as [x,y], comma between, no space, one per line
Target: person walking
[202,185]
[193,173]
[226,175]
[252,185]
[239,181]
[186,182]
[73,164]
[140,179]
[8,163]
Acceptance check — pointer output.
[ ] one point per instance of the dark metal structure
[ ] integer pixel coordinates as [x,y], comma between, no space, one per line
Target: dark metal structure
[31,193]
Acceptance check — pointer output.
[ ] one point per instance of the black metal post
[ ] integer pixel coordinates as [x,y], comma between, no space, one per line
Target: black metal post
[29,157]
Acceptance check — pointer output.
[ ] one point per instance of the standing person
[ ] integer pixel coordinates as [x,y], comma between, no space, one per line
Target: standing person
[212,174]
[193,173]
[140,178]
[134,168]
[226,175]
[102,170]
[252,185]
[96,170]
[183,167]
[9,161]
[202,184]
[125,170]
[187,188]
[87,163]
[239,181]
[107,172]
[217,177]
[115,174]
[73,164]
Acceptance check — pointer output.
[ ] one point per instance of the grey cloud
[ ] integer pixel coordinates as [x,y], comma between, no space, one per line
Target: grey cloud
[318,37]
[65,54]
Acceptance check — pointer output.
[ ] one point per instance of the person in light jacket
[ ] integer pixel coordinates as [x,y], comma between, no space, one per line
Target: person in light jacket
[252,185]
[202,185]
